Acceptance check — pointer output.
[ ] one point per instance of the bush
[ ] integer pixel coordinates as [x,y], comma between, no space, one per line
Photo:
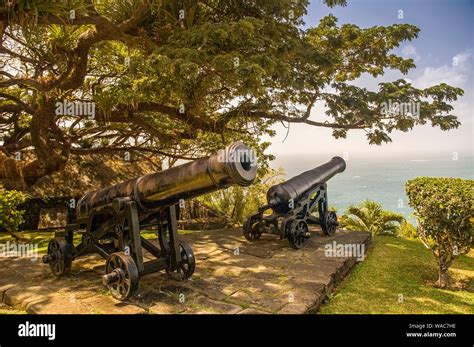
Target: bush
[407,231]
[370,216]
[237,203]
[444,210]
[10,216]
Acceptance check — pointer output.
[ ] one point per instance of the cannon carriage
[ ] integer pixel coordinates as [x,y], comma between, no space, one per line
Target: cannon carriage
[110,220]
[292,205]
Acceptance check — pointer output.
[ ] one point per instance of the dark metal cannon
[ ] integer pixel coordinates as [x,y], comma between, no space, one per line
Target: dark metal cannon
[110,220]
[292,204]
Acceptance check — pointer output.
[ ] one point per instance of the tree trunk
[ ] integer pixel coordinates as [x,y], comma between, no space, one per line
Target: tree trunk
[51,148]
[443,280]
[11,169]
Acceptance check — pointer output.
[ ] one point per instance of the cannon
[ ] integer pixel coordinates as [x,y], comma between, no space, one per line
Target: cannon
[110,221]
[292,204]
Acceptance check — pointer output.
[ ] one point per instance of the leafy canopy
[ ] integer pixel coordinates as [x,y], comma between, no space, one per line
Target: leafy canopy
[182,78]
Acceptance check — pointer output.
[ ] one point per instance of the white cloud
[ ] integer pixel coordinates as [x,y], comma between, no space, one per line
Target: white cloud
[462,58]
[422,138]
[409,51]
[455,74]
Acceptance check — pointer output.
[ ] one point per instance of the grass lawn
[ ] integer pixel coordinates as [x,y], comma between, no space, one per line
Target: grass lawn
[397,269]
[41,239]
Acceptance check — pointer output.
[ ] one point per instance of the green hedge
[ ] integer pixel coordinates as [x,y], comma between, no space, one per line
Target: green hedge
[10,216]
[444,211]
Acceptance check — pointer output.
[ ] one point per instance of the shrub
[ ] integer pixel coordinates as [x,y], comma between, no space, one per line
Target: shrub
[370,216]
[237,203]
[10,216]
[407,230]
[444,211]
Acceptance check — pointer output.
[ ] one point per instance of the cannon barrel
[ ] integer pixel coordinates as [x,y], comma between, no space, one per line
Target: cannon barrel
[280,195]
[233,165]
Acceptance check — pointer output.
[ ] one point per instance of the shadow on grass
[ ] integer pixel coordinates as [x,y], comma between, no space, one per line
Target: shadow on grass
[395,278]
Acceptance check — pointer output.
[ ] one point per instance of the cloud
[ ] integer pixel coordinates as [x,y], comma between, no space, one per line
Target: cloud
[462,58]
[422,138]
[409,51]
[455,74]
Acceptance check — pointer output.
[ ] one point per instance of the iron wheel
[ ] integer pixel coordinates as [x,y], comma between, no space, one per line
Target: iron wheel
[121,275]
[252,229]
[298,233]
[185,268]
[59,256]
[329,223]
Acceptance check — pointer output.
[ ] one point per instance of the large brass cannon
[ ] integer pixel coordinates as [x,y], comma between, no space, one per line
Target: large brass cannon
[292,204]
[111,219]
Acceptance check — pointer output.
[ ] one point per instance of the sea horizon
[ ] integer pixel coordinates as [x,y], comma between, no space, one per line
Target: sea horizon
[378,177]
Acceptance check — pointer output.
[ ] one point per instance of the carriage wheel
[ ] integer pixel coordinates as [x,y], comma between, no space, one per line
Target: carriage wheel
[329,223]
[121,275]
[185,268]
[298,234]
[59,256]
[252,229]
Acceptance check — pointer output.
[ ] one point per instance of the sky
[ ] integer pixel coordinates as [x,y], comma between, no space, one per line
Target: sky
[443,52]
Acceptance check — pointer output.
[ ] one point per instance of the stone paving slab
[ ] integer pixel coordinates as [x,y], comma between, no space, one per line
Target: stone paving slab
[232,276]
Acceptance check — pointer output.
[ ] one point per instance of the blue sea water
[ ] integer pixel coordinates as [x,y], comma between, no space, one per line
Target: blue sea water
[379,178]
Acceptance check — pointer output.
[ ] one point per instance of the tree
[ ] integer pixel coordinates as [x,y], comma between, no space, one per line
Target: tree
[444,209]
[370,216]
[180,78]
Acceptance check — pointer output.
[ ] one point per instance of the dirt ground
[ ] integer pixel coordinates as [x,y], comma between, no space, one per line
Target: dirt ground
[232,276]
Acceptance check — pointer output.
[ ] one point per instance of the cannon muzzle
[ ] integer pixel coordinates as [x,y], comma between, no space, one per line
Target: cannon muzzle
[279,196]
[234,165]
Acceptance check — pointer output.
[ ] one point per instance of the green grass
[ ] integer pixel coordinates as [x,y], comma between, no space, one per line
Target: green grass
[42,238]
[397,266]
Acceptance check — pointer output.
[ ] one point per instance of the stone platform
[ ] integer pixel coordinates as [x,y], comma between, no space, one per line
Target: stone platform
[232,276]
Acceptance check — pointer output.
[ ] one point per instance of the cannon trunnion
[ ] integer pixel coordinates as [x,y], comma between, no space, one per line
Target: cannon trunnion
[110,220]
[292,204]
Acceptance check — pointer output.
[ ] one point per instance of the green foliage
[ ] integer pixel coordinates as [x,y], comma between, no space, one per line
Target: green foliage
[444,210]
[10,216]
[200,74]
[407,230]
[370,216]
[397,266]
[237,203]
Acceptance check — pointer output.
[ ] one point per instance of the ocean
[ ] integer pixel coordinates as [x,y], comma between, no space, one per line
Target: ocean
[381,179]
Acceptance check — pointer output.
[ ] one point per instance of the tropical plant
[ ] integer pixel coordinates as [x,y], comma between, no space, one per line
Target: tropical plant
[444,208]
[407,230]
[370,216]
[237,203]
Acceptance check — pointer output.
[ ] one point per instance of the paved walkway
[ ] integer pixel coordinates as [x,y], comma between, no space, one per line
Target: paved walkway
[232,276]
